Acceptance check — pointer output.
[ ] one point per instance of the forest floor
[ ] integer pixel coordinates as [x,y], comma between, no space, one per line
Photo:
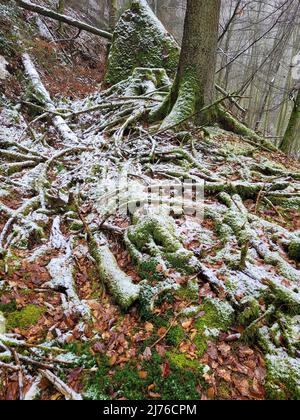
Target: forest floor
[218,333]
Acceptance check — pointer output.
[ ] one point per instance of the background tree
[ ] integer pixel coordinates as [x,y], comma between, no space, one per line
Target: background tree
[291,140]
[112,7]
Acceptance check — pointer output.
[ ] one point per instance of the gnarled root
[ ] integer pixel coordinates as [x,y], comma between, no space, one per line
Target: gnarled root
[119,284]
[155,246]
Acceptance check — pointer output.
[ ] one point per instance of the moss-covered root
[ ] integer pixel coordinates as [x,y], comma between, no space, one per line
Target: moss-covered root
[119,284]
[287,298]
[294,250]
[283,377]
[229,123]
[140,40]
[155,246]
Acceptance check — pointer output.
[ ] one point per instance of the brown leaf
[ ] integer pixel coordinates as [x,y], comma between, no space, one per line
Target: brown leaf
[161,331]
[112,360]
[243,386]
[224,349]
[154,395]
[187,324]
[165,369]
[224,374]
[211,393]
[149,327]
[143,374]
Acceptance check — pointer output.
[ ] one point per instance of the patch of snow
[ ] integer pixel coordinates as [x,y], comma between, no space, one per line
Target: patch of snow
[3,72]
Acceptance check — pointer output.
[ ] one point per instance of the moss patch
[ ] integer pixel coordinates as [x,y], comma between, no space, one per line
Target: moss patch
[283,377]
[25,318]
[218,316]
[294,250]
[175,336]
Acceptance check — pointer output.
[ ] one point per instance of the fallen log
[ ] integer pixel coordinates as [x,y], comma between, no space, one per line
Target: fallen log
[63,18]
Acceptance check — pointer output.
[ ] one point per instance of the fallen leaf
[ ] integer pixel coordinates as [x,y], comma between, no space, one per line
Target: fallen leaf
[143,374]
[165,369]
[187,324]
[149,327]
[211,393]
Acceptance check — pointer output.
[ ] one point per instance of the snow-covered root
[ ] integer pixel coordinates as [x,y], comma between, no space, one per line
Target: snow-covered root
[44,97]
[239,221]
[284,297]
[12,168]
[18,157]
[153,242]
[34,391]
[12,359]
[230,123]
[61,386]
[27,207]
[61,270]
[120,285]
[136,115]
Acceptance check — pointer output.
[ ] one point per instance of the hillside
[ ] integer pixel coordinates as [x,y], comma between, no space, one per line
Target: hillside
[101,295]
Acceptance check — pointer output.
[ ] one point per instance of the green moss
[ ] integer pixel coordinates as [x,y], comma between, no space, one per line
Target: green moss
[175,336]
[251,311]
[182,361]
[140,40]
[286,298]
[190,291]
[155,246]
[8,307]
[294,250]
[185,104]
[218,316]
[25,318]
[126,382]
[225,390]
[180,384]
[10,264]
[283,377]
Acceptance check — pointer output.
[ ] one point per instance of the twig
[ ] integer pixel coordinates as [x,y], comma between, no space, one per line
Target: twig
[61,386]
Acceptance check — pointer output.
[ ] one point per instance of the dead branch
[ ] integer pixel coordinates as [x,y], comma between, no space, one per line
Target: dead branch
[63,18]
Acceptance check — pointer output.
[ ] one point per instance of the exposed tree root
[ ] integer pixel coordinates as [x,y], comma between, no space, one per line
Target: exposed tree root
[119,284]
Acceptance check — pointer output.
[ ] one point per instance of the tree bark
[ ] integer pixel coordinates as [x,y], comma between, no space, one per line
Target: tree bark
[291,141]
[112,6]
[194,84]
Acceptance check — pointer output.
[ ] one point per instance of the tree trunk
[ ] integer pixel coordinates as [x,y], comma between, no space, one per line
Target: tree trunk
[61,10]
[194,84]
[61,7]
[291,140]
[112,6]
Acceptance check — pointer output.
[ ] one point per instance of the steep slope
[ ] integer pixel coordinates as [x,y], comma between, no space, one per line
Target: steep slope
[116,280]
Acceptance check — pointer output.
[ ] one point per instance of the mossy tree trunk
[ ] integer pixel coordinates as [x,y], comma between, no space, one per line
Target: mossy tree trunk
[194,84]
[61,6]
[291,141]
